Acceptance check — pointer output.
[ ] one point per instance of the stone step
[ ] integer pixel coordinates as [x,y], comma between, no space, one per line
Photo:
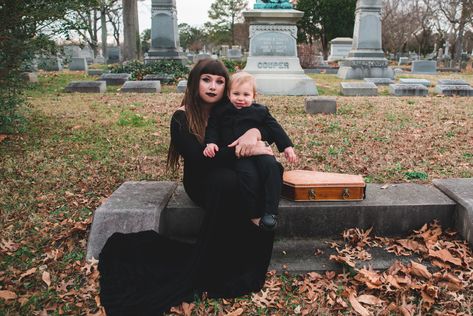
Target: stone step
[307,255]
[391,210]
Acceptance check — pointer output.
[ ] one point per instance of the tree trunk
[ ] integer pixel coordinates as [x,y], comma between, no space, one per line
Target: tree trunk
[130,29]
[103,22]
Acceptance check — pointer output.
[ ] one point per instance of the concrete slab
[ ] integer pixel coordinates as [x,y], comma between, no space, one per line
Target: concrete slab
[380,81]
[461,91]
[461,191]
[314,105]
[141,86]
[135,206]
[395,210]
[424,82]
[116,79]
[358,89]
[452,82]
[87,87]
[408,90]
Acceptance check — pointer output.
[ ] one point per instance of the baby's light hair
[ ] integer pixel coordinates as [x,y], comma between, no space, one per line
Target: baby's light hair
[242,77]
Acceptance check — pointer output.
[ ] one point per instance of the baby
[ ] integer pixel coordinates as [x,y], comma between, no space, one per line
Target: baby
[260,177]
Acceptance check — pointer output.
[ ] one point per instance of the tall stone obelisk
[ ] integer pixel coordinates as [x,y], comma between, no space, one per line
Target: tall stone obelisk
[273,50]
[366,58]
[164,32]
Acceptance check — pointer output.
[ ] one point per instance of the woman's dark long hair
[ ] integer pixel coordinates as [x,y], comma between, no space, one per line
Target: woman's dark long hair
[196,116]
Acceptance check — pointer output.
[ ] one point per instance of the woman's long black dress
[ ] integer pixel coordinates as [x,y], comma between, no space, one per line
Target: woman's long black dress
[146,273]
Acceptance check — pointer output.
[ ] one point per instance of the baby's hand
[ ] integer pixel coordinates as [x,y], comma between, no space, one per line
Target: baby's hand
[290,154]
[210,150]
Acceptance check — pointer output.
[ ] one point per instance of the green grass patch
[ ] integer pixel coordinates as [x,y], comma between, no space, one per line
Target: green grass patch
[416,175]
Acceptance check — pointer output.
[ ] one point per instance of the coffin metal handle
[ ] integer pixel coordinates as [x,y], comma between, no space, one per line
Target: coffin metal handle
[312,195]
[346,193]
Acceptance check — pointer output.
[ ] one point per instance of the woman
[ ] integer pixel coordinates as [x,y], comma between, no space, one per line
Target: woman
[146,273]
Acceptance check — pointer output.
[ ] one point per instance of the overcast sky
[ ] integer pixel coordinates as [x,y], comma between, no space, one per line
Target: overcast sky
[192,12]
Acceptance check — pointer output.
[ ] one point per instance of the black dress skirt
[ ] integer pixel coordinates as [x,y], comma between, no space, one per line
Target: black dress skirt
[146,273]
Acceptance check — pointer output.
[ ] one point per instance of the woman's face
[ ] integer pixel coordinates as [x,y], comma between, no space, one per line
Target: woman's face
[211,88]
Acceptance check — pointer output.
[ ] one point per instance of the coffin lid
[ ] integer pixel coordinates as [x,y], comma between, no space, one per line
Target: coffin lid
[301,178]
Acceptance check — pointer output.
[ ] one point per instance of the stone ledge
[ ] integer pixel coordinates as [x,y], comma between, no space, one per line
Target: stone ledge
[461,191]
[395,210]
[133,207]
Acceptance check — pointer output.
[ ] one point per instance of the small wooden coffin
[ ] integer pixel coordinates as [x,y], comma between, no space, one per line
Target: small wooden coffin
[306,185]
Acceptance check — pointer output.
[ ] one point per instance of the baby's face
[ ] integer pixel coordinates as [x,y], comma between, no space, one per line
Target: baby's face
[241,95]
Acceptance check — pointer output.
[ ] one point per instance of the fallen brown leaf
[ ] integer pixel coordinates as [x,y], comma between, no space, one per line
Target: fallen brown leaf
[7,295]
[46,277]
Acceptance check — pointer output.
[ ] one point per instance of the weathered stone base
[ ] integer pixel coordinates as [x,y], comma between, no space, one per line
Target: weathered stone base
[358,89]
[417,90]
[346,72]
[423,82]
[285,84]
[87,87]
[116,79]
[314,105]
[141,86]
[461,91]
[452,82]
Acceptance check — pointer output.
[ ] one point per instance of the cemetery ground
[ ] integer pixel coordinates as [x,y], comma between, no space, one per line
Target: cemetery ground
[76,149]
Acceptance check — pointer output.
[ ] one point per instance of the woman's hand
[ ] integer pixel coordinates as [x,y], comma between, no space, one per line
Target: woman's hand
[244,144]
[261,148]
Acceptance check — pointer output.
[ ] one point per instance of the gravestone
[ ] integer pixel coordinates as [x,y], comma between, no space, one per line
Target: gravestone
[201,56]
[87,87]
[423,82]
[88,54]
[99,59]
[115,78]
[404,61]
[164,34]
[380,81]
[358,89]
[323,104]
[181,86]
[450,90]
[141,86]
[164,78]
[78,63]
[50,63]
[452,82]
[234,54]
[224,50]
[408,90]
[339,48]
[71,51]
[424,67]
[29,77]
[366,58]
[113,55]
[272,55]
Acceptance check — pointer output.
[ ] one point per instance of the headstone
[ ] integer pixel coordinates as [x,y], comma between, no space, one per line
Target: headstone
[71,51]
[164,78]
[449,90]
[358,89]
[50,64]
[339,48]
[141,86]
[29,77]
[424,67]
[224,50]
[403,61]
[366,58]
[78,63]
[440,54]
[88,54]
[99,60]
[87,86]
[314,105]
[380,81]
[164,34]
[96,72]
[181,86]
[408,90]
[113,55]
[117,79]
[423,82]
[452,82]
[201,56]
[319,61]
[272,55]
[446,55]
[234,54]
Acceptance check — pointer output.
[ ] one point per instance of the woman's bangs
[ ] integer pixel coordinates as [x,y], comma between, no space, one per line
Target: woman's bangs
[215,68]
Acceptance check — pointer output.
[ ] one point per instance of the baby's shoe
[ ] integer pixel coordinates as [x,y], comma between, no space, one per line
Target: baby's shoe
[268,222]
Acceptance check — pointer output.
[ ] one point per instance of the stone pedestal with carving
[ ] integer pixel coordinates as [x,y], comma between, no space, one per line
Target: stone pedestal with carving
[164,35]
[366,58]
[273,53]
